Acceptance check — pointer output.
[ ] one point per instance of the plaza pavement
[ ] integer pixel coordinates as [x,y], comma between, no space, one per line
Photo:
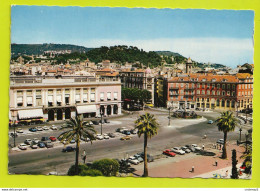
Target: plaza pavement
[204,166]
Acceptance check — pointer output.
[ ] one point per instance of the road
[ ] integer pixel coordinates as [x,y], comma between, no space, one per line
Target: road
[42,161]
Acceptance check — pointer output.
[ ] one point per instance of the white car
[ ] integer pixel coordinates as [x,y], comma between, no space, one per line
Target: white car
[36,140]
[196,147]
[39,128]
[45,128]
[133,160]
[178,150]
[90,123]
[106,136]
[53,127]
[19,130]
[22,146]
[123,129]
[34,146]
[99,137]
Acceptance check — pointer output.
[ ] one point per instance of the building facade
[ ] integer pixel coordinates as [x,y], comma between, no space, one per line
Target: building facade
[62,98]
[224,92]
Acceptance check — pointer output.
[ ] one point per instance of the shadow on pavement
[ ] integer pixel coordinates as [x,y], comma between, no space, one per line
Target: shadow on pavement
[206,153]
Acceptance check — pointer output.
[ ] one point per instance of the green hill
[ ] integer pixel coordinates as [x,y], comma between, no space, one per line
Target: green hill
[37,49]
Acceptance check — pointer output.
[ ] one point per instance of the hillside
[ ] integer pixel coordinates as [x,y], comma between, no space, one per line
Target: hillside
[168,53]
[37,49]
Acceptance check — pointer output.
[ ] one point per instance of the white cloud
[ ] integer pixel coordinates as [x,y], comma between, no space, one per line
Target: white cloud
[228,51]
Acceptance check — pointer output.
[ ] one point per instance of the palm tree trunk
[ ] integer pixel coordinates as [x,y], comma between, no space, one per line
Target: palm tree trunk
[224,153]
[77,157]
[145,156]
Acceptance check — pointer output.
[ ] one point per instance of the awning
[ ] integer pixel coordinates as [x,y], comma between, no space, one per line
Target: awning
[32,113]
[86,109]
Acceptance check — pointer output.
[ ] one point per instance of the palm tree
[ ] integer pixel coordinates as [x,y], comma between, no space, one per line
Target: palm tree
[226,123]
[77,131]
[148,126]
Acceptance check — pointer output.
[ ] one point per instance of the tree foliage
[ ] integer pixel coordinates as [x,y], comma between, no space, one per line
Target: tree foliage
[77,131]
[108,167]
[146,125]
[122,54]
[226,123]
[136,94]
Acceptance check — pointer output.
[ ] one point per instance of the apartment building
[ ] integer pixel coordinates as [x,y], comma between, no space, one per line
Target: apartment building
[52,98]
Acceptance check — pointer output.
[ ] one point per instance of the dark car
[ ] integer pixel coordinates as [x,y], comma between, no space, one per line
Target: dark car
[106,121]
[103,121]
[41,144]
[149,157]
[45,139]
[14,135]
[68,149]
[126,132]
[33,129]
[95,122]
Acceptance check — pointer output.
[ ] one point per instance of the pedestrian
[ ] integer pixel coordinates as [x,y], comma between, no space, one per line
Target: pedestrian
[192,169]
[217,146]
[203,147]
[216,163]
[84,156]
[226,173]
[220,147]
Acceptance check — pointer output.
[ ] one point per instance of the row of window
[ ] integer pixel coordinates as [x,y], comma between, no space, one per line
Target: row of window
[245,86]
[202,85]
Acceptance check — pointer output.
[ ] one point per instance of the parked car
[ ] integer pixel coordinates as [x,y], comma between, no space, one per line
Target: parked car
[35,141]
[95,122]
[34,146]
[178,150]
[106,121]
[28,141]
[44,138]
[220,141]
[85,139]
[22,146]
[196,147]
[103,121]
[66,125]
[33,129]
[14,135]
[19,130]
[127,137]
[106,136]
[48,144]
[52,138]
[45,128]
[190,147]
[126,132]
[54,127]
[99,137]
[168,152]
[133,131]
[39,128]
[72,141]
[133,160]
[41,144]
[120,129]
[90,123]
[123,129]
[111,135]
[210,122]
[149,157]
[68,149]
[186,149]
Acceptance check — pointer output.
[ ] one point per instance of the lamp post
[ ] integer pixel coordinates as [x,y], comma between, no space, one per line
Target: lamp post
[169,123]
[240,130]
[246,140]
[101,114]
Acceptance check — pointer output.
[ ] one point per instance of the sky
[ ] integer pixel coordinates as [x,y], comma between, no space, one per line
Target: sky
[215,36]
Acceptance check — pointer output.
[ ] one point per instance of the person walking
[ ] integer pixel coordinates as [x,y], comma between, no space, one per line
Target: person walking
[84,156]
[203,147]
[216,163]
[192,169]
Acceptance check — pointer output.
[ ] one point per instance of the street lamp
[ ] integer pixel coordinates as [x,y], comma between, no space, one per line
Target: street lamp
[101,114]
[240,130]
[246,140]
[14,130]
[169,123]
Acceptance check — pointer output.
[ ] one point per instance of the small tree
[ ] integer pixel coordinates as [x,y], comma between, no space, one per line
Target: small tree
[234,165]
[91,172]
[72,169]
[108,167]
